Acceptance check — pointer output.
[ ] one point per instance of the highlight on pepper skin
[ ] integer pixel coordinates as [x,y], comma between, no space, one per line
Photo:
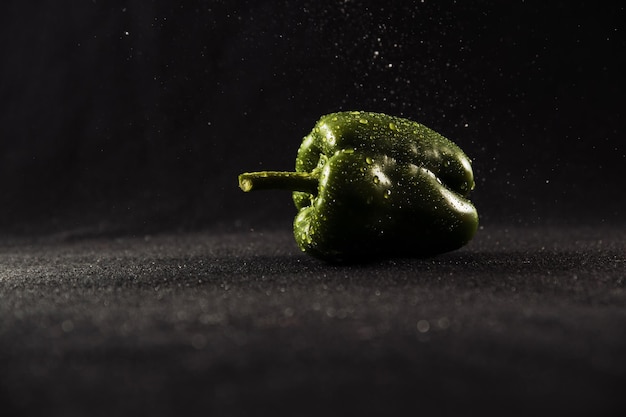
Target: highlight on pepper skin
[371,185]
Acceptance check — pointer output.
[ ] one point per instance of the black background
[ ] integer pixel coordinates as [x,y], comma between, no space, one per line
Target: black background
[125,115]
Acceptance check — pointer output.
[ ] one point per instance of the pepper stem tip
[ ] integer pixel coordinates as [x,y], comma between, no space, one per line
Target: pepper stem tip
[245,183]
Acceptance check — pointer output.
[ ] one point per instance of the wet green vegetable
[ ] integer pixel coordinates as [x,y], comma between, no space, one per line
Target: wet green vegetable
[372,185]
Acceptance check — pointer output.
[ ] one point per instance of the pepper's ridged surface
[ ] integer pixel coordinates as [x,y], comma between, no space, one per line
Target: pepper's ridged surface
[387,187]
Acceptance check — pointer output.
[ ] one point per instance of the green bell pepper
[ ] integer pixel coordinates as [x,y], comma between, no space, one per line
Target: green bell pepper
[372,185]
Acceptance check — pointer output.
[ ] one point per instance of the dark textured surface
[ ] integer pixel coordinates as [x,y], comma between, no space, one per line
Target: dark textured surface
[522,321]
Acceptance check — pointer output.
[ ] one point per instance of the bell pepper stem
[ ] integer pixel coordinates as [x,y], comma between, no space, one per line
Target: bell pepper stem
[279,180]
